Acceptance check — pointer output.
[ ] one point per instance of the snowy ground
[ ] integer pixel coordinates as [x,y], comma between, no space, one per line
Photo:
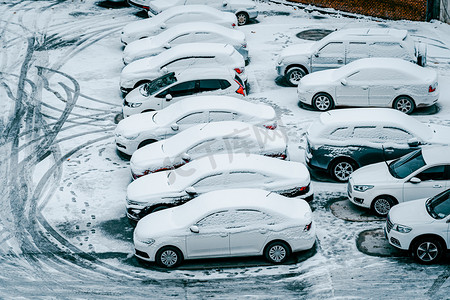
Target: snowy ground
[63,230]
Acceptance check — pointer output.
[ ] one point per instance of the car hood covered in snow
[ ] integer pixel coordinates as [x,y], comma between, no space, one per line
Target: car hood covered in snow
[372,174]
[296,50]
[136,124]
[410,213]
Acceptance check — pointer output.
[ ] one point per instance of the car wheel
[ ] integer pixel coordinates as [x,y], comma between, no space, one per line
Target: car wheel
[146,142]
[342,169]
[277,252]
[322,102]
[427,250]
[294,75]
[382,205]
[169,257]
[242,18]
[161,207]
[404,104]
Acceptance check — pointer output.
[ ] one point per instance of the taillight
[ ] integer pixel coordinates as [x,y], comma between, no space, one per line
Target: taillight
[432,88]
[308,227]
[146,7]
[233,25]
[303,188]
[271,126]
[244,45]
[238,70]
[240,90]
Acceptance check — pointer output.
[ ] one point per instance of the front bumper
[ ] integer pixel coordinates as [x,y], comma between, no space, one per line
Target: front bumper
[398,240]
[357,198]
[125,146]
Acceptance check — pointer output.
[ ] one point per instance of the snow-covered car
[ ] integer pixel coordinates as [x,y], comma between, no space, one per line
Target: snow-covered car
[383,82]
[208,139]
[419,174]
[243,9]
[421,227]
[174,16]
[340,141]
[344,46]
[139,130]
[165,189]
[226,223]
[192,32]
[171,88]
[181,57]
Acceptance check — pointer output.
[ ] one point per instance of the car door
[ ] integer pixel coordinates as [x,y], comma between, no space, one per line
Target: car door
[177,91]
[330,56]
[395,141]
[249,231]
[433,180]
[356,50]
[384,85]
[212,240]
[365,147]
[354,89]
[244,179]
[208,182]
[210,86]
[182,39]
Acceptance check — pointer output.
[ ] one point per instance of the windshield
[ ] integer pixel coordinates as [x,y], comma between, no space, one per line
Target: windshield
[407,164]
[156,85]
[439,206]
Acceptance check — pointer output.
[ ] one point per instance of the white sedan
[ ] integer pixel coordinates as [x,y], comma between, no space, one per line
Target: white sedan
[185,33]
[208,139]
[383,82]
[165,189]
[226,223]
[178,58]
[174,16]
[142,129]
[419,174]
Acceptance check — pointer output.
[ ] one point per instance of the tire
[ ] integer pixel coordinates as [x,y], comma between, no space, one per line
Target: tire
[342,168]
[322,102]
[427,250]
[277,252]
[381,205]
[169,257]
[293,75]
[404,104]
[146,142]
[242,18]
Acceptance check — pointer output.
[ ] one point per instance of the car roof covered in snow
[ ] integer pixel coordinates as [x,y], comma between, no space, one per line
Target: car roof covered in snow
[182,9]
[367,34]
[368,117]
[436,155]
[214,102]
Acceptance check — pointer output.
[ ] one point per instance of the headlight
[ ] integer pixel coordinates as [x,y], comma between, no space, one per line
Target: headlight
[131,202]
[401,228]
[147,241]
[131,137]
[362,188]
[134,104]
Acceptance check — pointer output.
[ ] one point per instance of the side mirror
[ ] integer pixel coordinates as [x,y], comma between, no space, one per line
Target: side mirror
[166,46]
[190,191]
[194,229]
[186,157]
[414,142]
[174,127]
[164,70]
[415,180]
[168,97]
[163,26]
[344,81]
[316,54]
[224,3]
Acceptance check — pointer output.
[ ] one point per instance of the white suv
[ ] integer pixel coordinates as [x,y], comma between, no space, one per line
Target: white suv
[184,56]
[422,227]
[344,46]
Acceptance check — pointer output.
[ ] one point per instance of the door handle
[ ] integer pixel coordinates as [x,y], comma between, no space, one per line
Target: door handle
[364,87]
[396,87]
[437,186]
[390,150]
[340,61]
[223,234]
[263,231]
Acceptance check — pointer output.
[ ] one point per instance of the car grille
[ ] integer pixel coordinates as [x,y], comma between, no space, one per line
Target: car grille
[389,224]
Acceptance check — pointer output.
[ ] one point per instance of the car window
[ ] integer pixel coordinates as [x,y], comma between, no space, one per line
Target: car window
[356,50]
[341,133]
[182,89]
[386,49]
[367,133]
[193,118]
[210,146]
[236,178]
[182,38]
[334,48]
[238,218]
[209,85]
[433,173]
[188,61]
[209,181]
[366,75]
[177,19]
[407,164]
[395,134]
[224,84]
[216,219]
[216,116]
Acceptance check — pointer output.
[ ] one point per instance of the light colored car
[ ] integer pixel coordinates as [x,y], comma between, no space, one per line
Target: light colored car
[174,16]
[226,223]
[243,9]
[165,189]
[208,139]
[421,227]
[171,88]
[419,174]
[193,32]
[341,141]
[383,82]
[142,129]
[179,58]
[344,46]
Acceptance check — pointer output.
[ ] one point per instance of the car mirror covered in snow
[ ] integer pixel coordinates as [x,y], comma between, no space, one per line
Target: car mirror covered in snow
[191,190]
[164,70]
[194,229]
[174,127]
[414,142]
[163,26]
[343,82]
[224,3]
[415,180]
[167,46]
[168,97]
[186,157]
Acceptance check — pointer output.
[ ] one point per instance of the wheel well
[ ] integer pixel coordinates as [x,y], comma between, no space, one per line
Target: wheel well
[342,158]
[282,241]
[384,195]
[146,142]
[406,96]
[141,82]
[242,12]
[147,110]
[171,246]
[433,236]
[323,93]
[295,66]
